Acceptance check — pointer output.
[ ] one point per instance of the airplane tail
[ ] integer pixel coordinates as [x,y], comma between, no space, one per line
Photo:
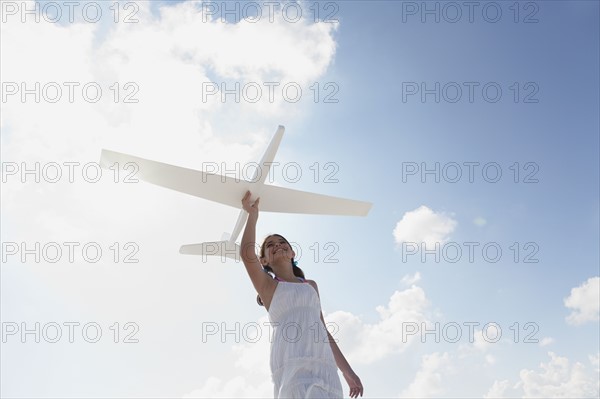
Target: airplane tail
[224,249]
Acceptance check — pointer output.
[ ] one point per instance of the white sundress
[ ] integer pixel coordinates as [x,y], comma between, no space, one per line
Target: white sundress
[302,362]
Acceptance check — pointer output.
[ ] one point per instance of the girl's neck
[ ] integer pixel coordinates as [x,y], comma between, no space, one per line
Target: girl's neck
[286,274]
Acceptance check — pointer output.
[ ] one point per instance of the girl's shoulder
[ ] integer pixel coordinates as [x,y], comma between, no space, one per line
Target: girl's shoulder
[314,284]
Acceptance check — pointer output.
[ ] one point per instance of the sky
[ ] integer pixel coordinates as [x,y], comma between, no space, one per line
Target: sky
[471,127]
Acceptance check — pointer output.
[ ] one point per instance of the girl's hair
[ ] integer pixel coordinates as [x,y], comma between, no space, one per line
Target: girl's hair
[267,269]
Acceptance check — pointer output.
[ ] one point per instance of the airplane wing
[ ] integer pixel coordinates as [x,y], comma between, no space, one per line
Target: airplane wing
[229,190]
[281,199]
[223,189]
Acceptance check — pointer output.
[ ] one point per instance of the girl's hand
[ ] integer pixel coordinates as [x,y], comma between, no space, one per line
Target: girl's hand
[353,381]
[251,208]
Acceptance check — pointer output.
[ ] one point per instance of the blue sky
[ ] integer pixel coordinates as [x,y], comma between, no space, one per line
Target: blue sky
[370,134]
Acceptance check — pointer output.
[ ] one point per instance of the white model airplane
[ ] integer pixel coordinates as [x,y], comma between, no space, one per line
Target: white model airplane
[229,191]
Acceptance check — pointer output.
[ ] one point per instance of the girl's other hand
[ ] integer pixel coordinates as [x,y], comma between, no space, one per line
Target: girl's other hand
[354,383]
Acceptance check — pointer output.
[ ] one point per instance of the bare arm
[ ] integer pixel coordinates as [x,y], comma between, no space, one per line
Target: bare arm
[260,279]
[352,379]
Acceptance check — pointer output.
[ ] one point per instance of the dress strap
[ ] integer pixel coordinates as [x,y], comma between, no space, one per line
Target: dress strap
[300,278]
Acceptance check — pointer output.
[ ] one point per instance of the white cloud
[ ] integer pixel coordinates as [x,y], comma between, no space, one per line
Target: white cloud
[497,390]
[235,387]
[490,359]
[409,280]
[429,380]
[250,377]
[558,378]
[492,333]
[423,225]
[595,362]
[546,341]
[170,75]
[479,221]
[481,344]
[367,343]
[584,302]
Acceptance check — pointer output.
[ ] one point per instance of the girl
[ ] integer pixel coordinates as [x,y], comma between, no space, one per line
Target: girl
[304,356]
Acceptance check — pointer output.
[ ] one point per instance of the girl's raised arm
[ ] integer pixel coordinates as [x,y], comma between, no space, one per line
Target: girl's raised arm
[261,280]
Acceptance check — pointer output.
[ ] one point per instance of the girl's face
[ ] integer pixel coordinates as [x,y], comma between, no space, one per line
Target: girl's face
[276,249]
